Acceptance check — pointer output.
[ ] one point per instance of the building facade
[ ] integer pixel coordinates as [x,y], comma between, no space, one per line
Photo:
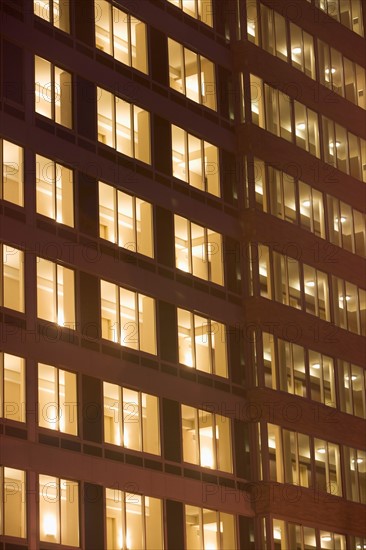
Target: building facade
[183,297]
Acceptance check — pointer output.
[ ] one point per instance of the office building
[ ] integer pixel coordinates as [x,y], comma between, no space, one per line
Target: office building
[183,297]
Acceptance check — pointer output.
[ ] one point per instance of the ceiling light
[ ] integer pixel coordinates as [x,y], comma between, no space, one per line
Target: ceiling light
[301,125]
[316,366]
[332,70]
[297,50]
[310,284]
[306,203]
[321,450]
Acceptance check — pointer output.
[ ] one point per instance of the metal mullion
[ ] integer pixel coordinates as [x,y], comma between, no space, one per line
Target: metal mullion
[193,342]
[118,318]
[141,424]
[129,42]
[199,79]
[56,266]
[53,95]
[183,59]
[116,224]
[54,188]
[205,237]
[58,398]
[114,122]
[121,419]
[209,338]
[197,413]
[134,221]
[132,129]
[137,318]
[2,168]
[190,248]
[186,147]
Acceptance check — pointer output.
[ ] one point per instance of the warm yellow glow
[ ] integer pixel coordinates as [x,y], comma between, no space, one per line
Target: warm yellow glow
[50,525]
[206,457]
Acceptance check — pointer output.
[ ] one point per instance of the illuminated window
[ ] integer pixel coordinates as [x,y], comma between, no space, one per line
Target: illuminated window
[128,318]
[121,35]
[311,209]
[286,275]
[55,191]
[11,175]
[291,364]
[131,419]
[321,370]
[12,502]
[332,541]
[198,250]
[12,387]
[57,399]
[273,27]
[327,467]
[53,92]
[133,521]
[289,535]
[347,227]
[307,129]
[264,267]
[349,303]
[207,528]
[123,126]
[125,220]
[55,12]
[282,195]
[199,9]
[316,292]
[192,74]
[55,293]
[302,50]
[12,271]
[59,510]
[252,21]
[348,14]
[355,474]
[352,388]
[206,439]
[344,150]
[202,343]
[289,456]
[195,161]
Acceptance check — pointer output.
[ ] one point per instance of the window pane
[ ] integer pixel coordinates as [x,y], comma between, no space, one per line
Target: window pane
[153,523]
[49,510]
[212,169]
[109,311]
[14,387]
[107,212]
[195,162]
[147,330]
[128,319]
[131,420]
[69,497]
[206,439]
[179,153]
[191,75]
[106,117]
[44,95]
[138,45]
[112,414]
[13,278]
[103,32]
[65,297]
[142,134]
[68,402]
[190,434]
[207,83]
[199,254]
[218,345]
[144,228]
[151,424]
[114,518]
[223,443]
[48,411]
[12,173]
[121,41]
[214,257]
[193,527]
[63,97]
[14,503]
[123,127]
